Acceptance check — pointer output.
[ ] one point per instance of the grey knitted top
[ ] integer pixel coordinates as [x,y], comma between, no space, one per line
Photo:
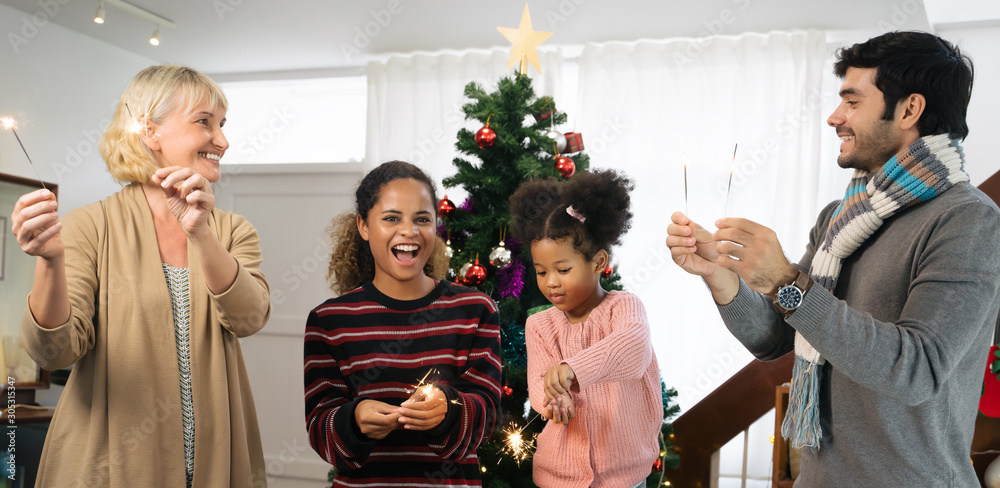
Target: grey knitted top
[905,336]
[180,301]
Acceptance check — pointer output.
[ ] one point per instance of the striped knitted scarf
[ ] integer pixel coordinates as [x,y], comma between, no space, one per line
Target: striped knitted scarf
[924,170]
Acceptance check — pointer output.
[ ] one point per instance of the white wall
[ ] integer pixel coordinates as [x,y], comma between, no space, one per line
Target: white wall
[981,44]
[61,87]
[290,206]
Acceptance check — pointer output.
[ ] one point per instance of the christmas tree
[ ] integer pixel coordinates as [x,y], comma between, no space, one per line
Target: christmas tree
[517,143]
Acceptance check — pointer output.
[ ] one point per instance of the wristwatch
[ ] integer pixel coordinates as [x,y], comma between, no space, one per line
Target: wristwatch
[789,297]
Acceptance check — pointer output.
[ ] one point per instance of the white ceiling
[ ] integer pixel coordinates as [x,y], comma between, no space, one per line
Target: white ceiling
[237,36]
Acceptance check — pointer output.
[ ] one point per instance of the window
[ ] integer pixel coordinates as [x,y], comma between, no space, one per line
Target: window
[319,120]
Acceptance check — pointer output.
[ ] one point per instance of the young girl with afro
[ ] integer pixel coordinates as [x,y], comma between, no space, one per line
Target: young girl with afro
[591,367]
[402,370]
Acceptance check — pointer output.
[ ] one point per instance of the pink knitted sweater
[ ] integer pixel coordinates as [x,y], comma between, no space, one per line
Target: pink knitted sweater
[612,442]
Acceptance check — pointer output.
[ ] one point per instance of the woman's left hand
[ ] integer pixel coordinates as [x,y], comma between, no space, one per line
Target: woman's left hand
[189,196]
[424,410]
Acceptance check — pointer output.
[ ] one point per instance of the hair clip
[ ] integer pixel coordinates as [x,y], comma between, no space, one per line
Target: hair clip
[576,215]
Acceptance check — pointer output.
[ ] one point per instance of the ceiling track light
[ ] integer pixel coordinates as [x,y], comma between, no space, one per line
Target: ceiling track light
[159,20]
[99,16]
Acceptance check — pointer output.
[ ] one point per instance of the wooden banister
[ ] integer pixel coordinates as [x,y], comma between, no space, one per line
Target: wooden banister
[991,187]
[721,416]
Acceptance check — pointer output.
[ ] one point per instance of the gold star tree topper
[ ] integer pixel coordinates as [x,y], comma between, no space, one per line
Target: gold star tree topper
[525,41]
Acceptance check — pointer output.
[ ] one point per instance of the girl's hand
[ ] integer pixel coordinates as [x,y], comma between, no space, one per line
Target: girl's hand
[558,380]
[189,196]
[424,410]
[561,410]
[35,223]
[376,419]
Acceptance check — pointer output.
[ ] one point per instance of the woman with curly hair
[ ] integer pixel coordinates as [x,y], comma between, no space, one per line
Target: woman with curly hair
[591,367]
[402,370]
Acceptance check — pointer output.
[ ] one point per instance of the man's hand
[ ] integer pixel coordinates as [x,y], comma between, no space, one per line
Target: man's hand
[695,251]
[753,252]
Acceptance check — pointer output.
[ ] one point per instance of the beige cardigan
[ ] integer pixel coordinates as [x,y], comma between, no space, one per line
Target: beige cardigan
[118,422]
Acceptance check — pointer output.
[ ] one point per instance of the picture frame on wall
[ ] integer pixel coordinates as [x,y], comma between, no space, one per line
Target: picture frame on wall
[16,278]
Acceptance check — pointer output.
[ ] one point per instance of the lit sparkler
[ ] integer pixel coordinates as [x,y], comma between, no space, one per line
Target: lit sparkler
[426,388]
[135,127]
[9,124]
[516,445]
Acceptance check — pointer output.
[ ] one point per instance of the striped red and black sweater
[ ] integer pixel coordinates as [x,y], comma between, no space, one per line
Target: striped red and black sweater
[366,345]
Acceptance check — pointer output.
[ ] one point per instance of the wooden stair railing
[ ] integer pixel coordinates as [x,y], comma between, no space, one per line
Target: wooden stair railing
[749,394]
[721,416]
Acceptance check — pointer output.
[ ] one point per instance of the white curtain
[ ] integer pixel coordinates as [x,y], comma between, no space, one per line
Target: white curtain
[415,104]
[648,107]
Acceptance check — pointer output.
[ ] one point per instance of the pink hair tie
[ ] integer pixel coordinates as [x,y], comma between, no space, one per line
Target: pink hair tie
[576,215]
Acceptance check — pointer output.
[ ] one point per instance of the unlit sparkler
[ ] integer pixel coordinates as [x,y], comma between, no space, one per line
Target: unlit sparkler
[684,157]
[730,186]
[9,124]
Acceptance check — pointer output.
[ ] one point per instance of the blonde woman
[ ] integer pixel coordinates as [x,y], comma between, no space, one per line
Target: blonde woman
[146,294]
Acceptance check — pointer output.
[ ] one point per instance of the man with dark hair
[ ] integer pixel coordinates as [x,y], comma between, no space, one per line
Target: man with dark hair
[890,310]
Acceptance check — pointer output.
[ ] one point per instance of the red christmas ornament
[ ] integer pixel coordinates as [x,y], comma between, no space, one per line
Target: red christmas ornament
[657,465]
[565,166]
[445,207]
[476,274]
[607,272]
[507,390]
[989,403]
[485,137]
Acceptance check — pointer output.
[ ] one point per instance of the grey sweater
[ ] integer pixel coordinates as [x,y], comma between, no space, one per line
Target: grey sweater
[905,336]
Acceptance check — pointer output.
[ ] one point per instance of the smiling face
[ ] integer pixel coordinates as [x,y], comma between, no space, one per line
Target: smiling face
[567,279]
[191,137]
[867,141]
[400,230]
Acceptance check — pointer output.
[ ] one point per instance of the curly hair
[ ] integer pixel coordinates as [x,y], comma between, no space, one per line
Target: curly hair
[351,261]
[538,210]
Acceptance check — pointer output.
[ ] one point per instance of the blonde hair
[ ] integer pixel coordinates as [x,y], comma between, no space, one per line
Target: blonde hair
[152,95]
[351,261]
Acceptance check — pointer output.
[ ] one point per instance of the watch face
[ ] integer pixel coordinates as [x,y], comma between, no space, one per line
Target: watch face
[789,297]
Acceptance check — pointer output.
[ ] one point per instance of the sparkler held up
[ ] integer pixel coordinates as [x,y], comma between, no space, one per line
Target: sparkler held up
[10,124]
[730,186]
